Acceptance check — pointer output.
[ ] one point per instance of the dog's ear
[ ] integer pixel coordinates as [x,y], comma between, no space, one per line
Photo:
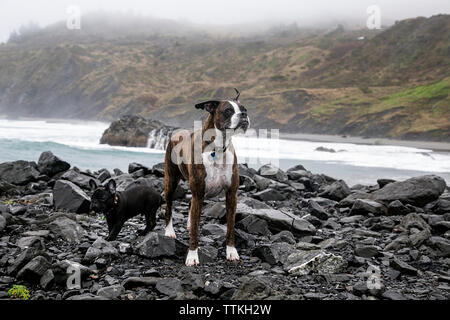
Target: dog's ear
[111,186]
[92,184]
[209,106]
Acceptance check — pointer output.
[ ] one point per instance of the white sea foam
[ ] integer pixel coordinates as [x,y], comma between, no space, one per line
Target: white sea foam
[86,135]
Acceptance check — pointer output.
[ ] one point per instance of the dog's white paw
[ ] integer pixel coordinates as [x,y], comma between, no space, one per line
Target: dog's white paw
[192,258]
[232,254]
[170,232]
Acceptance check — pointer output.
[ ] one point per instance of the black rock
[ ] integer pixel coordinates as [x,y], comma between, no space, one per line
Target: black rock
[253,289]
[317,210]
[403,267]
[269,195]
[155,245]
[442,245]
[133,167]
[112,292]
[336,191]
[384,182]
[49,164]
[283,236]
[274,253]
[24,257]
[2,223]
[367,251]
[47,279]
[67,229]
[34,270]
[81,179]
[297,168]
[396,208]
[69,197]
[393,295]
[417,191]
[277,220]
[216,210]
[5,187]
[104,175]
[272,172]
[158,170]
[254,225]
[365,207]
[135,282]
[170,287]
[19,172]
[100,249]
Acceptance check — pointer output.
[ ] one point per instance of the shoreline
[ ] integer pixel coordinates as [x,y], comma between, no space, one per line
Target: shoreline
[429,145]
[435,146]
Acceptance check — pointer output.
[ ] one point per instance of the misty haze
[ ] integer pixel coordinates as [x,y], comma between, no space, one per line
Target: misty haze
[334,117]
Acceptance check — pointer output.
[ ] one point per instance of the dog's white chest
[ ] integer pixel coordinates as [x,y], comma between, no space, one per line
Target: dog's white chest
[218,173]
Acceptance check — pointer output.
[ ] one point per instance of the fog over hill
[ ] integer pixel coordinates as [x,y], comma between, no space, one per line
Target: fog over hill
[338,80]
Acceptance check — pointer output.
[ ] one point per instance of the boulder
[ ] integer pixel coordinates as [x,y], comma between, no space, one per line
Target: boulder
[272,172]
[336,191]
[257,288]
[317,210]
[277,220]
[111,292]
[6,187]
[100,249]
[170,287]
[69,197]
[155,245]
[132,131]
[34,270]
[254,225]
[283,236]
[67,229]
[396,208]
[274,253]
[269,195]
[49,164]
[133,167]
[79,178]
[19,172]
[417,191]
[315,262]
[216,210]
[365,207]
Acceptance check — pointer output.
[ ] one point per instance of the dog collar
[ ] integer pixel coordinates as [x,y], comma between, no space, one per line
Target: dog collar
[116,202]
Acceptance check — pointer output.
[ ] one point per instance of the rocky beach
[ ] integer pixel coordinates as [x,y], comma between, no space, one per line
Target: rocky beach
[300,236]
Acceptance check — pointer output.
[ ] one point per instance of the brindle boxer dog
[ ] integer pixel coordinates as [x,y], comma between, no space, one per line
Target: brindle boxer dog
[207,160]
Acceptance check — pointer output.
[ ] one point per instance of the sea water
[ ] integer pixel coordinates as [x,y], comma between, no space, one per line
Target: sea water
[77,142]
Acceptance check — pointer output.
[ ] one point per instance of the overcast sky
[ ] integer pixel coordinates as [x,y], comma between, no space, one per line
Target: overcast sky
[13,13]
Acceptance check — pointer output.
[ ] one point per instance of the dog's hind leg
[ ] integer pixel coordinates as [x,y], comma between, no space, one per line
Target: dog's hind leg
[150,220]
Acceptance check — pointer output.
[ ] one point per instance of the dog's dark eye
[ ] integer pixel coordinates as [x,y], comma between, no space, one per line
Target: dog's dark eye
[243,109]
[229,112]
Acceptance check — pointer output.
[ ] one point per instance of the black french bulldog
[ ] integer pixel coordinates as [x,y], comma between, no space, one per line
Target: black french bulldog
[118,207]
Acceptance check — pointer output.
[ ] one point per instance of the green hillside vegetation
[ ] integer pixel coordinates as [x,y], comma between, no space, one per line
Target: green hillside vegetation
[394,83]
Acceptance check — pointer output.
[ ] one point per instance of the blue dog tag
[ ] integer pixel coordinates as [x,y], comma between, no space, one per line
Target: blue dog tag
[213,154]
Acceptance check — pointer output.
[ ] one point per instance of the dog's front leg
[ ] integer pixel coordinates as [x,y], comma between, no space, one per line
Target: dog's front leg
[195,212]
[115,231]
[231,199]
